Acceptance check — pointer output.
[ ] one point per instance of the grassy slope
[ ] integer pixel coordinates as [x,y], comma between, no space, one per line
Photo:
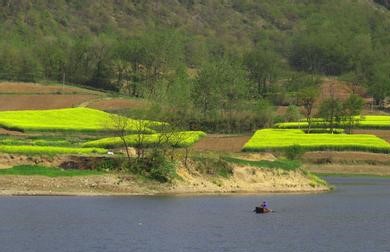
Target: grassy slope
[29,170]
[236,24]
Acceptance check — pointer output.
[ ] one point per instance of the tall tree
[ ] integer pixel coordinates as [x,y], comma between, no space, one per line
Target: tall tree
[263,67]
[220,88]
[331,111]
[352,108]
[307,98]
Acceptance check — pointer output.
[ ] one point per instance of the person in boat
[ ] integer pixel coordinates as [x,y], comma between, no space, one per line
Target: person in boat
[264,205]
[263,208]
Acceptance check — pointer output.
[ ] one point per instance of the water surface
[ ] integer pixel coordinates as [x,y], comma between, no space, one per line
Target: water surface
[355,217]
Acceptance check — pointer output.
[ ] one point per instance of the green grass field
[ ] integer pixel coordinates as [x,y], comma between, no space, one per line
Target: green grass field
[48,150]
[71,119]
[279,139]
[177,140]
[32,170]
[364,122]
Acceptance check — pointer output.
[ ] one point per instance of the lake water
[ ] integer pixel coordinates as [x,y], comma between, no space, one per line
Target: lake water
[354,217]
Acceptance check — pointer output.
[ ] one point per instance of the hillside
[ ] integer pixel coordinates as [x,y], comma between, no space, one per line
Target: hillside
[206,28]
[32,96]
[202,62]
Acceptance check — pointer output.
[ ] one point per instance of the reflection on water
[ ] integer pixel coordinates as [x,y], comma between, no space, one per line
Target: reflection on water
[355,217]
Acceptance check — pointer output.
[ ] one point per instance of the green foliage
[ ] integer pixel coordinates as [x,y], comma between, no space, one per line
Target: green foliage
[331,110]
[235,51]
[385,3]
[155,166]
[221,85]
[73,119]
[351,107]
[161,169]
[294,152]
[292,114]
[280,139]
[33,170]
[214,166]
[263,66]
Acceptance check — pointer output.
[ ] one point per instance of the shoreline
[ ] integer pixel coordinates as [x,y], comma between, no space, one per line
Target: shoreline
[8,193]
[244,180]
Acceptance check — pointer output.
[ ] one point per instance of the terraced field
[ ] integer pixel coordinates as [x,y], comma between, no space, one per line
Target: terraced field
[48,132]
[177,140]
[279,139]
[72,119]
[364,122]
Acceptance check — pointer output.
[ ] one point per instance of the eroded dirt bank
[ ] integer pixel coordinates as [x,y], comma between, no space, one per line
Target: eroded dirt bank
[244,179]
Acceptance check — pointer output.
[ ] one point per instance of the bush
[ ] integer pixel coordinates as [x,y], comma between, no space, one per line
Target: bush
[294,152]
[292,114]
[156,166]
[214,166]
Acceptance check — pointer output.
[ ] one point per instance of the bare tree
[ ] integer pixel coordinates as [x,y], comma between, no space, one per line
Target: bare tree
[307,99]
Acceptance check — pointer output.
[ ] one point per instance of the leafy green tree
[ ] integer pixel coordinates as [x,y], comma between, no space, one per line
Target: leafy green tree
[352,107]
[379,84]
[292,114]
[220,88]
[263,67]
[331,110]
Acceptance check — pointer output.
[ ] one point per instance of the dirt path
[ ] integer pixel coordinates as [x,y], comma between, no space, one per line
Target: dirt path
[222,143]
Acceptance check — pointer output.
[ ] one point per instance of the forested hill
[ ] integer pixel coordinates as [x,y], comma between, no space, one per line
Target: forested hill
[136,45]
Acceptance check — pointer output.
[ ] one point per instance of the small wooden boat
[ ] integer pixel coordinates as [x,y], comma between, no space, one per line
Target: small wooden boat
[262,210]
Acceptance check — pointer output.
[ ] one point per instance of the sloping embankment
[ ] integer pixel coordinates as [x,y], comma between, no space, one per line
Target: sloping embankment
[244,179]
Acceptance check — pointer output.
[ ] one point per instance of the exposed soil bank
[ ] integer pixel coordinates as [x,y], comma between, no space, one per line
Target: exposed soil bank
[348,163]
[245,179]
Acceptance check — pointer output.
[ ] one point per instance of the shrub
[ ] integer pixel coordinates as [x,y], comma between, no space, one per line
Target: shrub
[294,152]
[161,169]
[155,166]
[214,166]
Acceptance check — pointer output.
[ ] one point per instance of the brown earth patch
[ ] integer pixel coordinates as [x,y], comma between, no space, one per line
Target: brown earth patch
[118,104]
[251,156]
[49,101]
[35,88]
[62,161]
[281,110]
[324,157]
[381,170]
[222,143]
[11,132]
